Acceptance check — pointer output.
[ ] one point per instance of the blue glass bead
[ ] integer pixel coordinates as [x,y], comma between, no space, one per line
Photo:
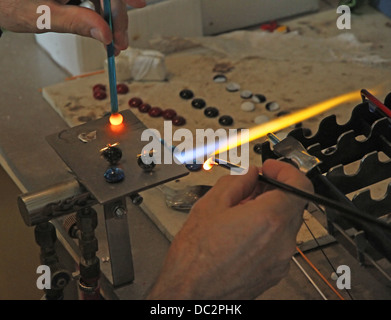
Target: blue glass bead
[114,175]
[194,167]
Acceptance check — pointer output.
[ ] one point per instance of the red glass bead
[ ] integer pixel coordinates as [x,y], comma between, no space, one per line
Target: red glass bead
[155,112]
[122,88]
[144,107]
[169,114]
[100,94]
[135,102]
[99,87]
[178,121]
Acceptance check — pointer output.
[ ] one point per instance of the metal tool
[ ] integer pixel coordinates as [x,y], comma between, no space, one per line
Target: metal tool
[372,126]
[292,149]
[349,212]
[375,103]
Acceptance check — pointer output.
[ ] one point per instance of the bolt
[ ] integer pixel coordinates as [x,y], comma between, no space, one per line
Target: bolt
[136,199]
[105,259]
[119,212]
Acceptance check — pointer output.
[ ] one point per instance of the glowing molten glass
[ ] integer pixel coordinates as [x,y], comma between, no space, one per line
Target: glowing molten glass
[116,119]
[208,164]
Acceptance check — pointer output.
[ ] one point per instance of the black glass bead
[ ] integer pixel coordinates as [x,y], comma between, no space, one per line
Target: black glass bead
[258,148]
[282,113]
[211,112]
[194,167]
[145,165]
[186,94]
[112,154]
[259,98]
[114,175]
[226,120]
[198,103]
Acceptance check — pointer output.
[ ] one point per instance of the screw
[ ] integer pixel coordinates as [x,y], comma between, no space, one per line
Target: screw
[136,199]
[120,212]
[105,259]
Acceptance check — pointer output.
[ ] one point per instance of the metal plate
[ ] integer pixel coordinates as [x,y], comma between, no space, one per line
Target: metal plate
[85,161]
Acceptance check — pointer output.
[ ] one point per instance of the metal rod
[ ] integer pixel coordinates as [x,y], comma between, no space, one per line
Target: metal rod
[111,60]
[376,102]
[367,256]
[347,211]
[309,278]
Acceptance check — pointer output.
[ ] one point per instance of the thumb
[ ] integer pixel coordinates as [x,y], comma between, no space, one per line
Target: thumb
[81,21]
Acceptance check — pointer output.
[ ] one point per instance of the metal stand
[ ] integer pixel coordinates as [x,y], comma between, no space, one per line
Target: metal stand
[45,236]
[119,242]
[90,188]
[87,221]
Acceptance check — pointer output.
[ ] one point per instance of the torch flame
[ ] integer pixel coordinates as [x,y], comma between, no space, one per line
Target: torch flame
[208,164]
[291,119]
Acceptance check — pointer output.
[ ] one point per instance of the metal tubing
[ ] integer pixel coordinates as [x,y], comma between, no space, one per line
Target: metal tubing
[53,202]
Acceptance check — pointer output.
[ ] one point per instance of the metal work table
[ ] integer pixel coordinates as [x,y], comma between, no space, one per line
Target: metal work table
[26,119]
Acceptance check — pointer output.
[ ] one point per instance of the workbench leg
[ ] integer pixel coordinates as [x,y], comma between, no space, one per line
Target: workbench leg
[119,242]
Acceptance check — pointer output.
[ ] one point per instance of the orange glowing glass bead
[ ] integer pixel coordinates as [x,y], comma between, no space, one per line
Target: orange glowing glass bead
[116,119]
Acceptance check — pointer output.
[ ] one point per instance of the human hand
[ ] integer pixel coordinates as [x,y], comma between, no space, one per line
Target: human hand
[238,239]
[21,16]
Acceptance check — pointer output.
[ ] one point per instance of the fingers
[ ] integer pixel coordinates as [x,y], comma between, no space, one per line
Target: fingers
[120,25]
[286,173]
[81,21]
[22,16]
[85,22]
[230,190]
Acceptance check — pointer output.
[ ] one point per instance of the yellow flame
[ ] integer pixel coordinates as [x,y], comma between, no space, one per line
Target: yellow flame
[208,164]
[291,119]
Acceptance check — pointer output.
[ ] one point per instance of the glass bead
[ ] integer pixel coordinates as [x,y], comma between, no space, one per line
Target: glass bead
[198,103]
[211,112]
[186,94]
[226,120]
[114,175]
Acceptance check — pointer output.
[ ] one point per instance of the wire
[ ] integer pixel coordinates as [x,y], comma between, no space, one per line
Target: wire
[324,254]
[309,278]
[320,274]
